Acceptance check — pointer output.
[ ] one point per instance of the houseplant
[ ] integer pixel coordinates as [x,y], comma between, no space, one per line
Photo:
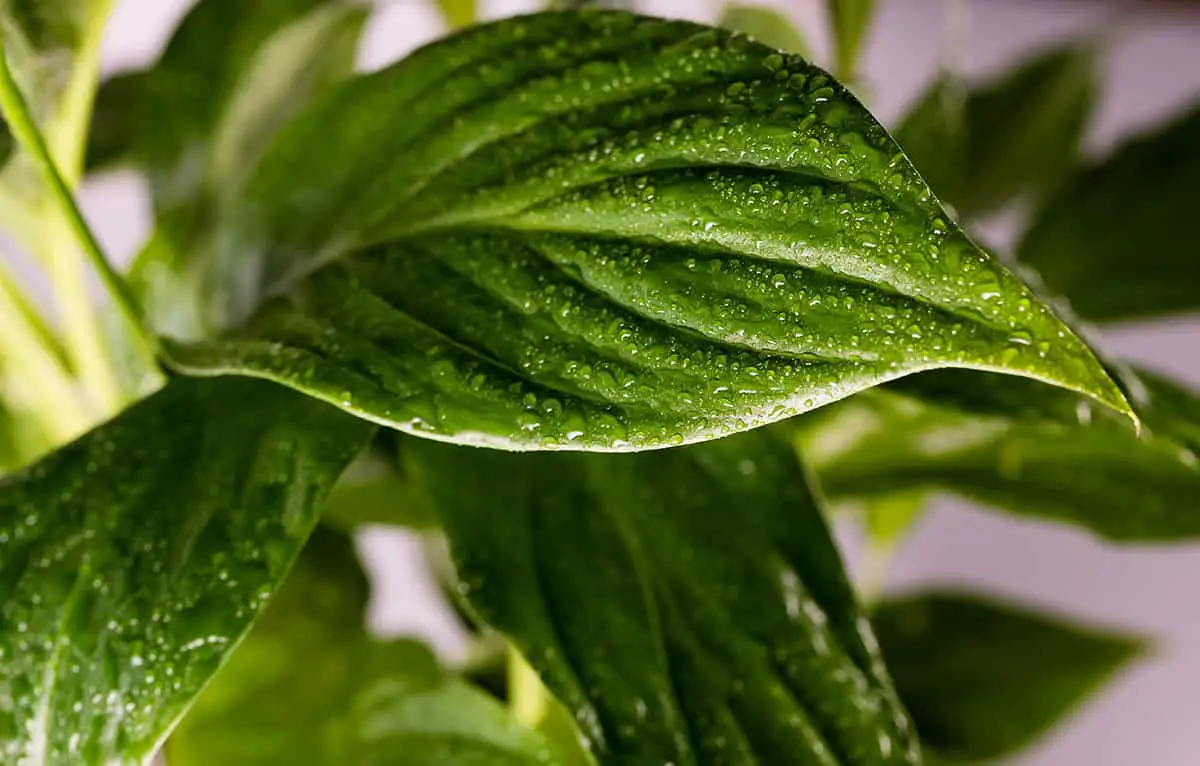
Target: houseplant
[434,294]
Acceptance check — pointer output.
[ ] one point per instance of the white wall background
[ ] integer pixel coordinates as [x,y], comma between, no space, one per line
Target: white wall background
[1148,715]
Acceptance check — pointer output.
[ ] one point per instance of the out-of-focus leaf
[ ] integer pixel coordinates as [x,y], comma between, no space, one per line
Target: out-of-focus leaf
[687,605]
[198,120]
[769,26]
[1026,449]
[1117,239]
[634,234]
[134,559]
[1020,134]
[52,49]
[309,686]
[984,679]
[375,489]
[850,20]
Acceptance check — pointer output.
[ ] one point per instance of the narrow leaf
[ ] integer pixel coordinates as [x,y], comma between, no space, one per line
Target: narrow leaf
[984,679]
[1113,240]
[309,686]
[132,560]
[602,231]
[1026,449]
[769,26]
[1020,134]
[688,605]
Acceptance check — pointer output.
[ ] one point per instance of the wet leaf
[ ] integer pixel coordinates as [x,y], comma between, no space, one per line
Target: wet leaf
[1022,448]
[769,26]
[1018,135]
[687,605]
[356,700]
[635,233]
[983,679]
[1113,241]
[132,560]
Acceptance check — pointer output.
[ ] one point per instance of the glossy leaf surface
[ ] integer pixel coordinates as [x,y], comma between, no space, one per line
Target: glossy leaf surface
[1020,134]
[635,233]
[770,26]
[132,560]
[309,686]
[983,679]
[1021,447]
[687,605]
[1114,241]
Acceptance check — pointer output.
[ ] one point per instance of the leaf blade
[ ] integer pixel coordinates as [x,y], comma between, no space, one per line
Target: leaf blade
[1023,449]
[673,628]
[984,679]
[458,295]
[1116,219]
[106,596]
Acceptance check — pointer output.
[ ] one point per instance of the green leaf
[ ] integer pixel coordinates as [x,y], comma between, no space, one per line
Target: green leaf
[132,560]
[1020,134]
[687,605]
[769,26]
[231,76]
[355,700]
[1113,241]
[52,48]
[376,489]
[850,20]
[984,679]
[1027,449]
[635,233]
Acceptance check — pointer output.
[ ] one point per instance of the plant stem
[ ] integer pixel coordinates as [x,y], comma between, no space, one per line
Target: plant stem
[85,333]
[526,695]
[29,348]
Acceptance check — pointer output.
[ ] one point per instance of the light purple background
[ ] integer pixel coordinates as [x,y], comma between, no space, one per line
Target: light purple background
[1149,715]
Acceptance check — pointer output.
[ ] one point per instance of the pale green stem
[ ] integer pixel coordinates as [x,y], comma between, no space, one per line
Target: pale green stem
[26,350]
[527,698]
[85,335]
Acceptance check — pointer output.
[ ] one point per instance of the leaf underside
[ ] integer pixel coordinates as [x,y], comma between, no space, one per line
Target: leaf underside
[688,606]
[633,234]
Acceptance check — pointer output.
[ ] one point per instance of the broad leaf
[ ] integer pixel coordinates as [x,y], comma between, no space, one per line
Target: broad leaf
[1024,448]
[602,231]
[309,686]
[132,560]
[983,679]
[769,26]
[1020,134]
[687,605]
[1114,241]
